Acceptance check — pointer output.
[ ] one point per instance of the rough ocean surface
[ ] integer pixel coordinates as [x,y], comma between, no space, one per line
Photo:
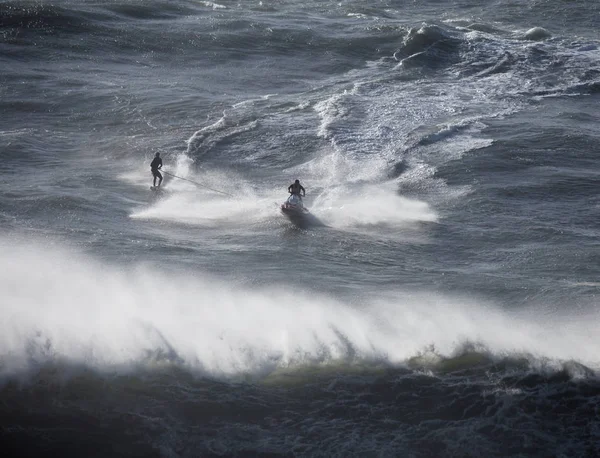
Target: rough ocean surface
[445,300]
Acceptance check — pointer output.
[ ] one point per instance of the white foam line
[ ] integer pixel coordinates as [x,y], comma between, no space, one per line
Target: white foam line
[61,306]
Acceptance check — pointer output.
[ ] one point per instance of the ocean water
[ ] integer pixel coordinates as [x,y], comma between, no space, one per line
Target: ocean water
[445,300]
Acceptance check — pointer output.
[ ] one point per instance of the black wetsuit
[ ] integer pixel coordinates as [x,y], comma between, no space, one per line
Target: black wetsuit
[296,188]
[154,165]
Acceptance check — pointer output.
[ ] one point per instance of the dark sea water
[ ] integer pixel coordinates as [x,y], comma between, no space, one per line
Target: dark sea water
[445,300]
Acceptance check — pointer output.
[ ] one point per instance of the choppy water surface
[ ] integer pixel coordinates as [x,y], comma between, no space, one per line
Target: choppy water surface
[444,302]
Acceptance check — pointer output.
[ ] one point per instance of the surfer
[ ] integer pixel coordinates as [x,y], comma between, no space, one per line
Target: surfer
[155,165]
[296,187]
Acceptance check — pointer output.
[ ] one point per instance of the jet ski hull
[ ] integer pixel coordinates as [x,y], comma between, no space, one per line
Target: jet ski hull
[291,212]
[295,210]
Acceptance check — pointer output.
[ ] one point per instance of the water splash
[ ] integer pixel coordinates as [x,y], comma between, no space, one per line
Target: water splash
[58,305]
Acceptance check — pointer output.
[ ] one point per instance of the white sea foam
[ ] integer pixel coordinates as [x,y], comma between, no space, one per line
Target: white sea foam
[364,205]
[206,208]
[61,306]
[213,5]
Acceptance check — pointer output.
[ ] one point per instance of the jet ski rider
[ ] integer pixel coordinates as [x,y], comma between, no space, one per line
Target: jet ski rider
[295,188]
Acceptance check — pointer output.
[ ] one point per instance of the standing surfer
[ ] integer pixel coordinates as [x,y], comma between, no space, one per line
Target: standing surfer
[155,165]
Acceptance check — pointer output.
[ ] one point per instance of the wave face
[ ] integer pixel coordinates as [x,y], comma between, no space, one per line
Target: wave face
[442,302]
[78,311]
[187,358]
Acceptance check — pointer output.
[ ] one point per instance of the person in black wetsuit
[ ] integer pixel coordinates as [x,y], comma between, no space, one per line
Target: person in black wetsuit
[296,187]
[155,165]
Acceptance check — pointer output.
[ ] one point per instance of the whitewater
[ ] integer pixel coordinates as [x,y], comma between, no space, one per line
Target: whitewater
[444,300]
[83,312]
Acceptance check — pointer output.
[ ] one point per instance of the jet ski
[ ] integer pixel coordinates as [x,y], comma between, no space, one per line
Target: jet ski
[295,210]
